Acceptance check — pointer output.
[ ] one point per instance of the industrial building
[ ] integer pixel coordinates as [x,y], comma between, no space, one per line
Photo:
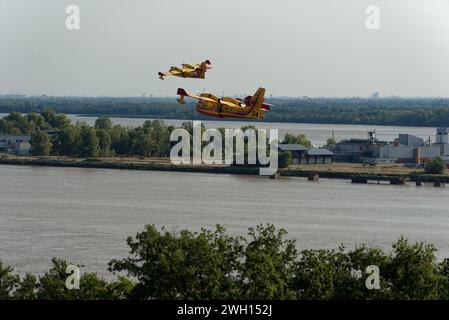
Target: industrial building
[302,155]
[17,144]
[407,149]
[355,150]
[414,150]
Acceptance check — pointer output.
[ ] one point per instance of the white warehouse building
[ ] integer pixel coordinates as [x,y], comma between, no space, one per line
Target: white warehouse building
[19,144]
[412,149]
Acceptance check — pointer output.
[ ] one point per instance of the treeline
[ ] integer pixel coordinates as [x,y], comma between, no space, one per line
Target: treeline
[107,106]
[381,111]
[262,265]
[54,134]
[395,112]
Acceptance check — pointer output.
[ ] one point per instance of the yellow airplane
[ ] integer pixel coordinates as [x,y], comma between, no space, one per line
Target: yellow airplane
[252,107]
[197,71]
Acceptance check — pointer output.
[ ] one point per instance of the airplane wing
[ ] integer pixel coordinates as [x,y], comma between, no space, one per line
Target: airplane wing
[169,73]
[182,93]
[189,66]
[228,103]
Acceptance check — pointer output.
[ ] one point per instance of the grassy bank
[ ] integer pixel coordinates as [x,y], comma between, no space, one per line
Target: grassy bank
[125,163]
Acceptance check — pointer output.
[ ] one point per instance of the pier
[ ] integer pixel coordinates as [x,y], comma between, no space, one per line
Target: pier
[395,180]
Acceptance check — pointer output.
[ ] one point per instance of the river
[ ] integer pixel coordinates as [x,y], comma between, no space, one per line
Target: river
[85,215]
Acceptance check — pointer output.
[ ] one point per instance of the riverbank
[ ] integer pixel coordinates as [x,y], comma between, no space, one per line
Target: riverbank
[124,163]
[334,170]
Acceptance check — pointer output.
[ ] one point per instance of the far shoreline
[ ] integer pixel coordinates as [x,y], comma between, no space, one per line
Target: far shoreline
[243,121]
[233,120]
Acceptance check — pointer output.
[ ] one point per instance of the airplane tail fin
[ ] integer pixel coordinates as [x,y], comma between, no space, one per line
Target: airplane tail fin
[203,68]
[161,75]
[258,98]
[257,102]
[182,94]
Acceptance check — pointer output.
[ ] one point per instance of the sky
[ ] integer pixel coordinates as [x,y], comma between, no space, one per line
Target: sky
[290,47]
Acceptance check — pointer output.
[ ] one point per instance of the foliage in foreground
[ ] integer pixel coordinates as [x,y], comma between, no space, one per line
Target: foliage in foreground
[263,265]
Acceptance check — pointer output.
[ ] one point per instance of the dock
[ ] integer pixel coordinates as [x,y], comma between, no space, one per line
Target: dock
[395,180]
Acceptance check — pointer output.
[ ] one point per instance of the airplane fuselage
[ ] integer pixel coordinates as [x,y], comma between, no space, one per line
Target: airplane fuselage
[252,107]
[225,111]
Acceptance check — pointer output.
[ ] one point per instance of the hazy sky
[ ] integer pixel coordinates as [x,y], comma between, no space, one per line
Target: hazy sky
[291,47]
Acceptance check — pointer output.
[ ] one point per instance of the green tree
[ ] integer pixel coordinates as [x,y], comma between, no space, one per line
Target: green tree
[330,142]
[435,165]
[26,289]
[18,123]
[89,142]
[37,121]
[267,264]
[319,274]
[443,270]
[299,139]
[55,121]
[120,140]
[8,282]
[52,286]
[6,127]
[159,136]
[59,121]
[413,271]
[103,123]
[40,143]
[285,159]
[104,142]
[140,142]
[325,274]
[181,266]
[69,140]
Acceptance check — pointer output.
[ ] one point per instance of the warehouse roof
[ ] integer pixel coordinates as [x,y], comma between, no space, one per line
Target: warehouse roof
[292,147]
[320,152]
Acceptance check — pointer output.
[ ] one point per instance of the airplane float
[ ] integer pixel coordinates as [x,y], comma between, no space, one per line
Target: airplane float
[252,107]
